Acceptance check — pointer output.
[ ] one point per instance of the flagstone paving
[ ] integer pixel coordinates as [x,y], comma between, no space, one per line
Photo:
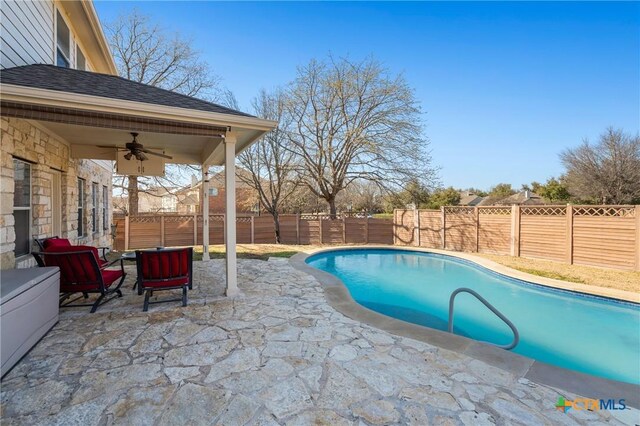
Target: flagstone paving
[278,354]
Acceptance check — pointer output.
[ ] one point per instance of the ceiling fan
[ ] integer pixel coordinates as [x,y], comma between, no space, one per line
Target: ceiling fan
[137,150]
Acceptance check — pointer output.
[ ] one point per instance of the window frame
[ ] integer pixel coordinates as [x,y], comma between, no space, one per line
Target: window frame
[95,225]
[81,208]
[57,49]
[80,54]
[105,208]
[21,208]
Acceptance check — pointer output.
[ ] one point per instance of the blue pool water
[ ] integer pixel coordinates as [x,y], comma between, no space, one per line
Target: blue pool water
[588,334]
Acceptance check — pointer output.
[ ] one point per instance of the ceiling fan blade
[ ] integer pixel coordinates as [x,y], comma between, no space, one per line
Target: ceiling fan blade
[159,154]
[119,148]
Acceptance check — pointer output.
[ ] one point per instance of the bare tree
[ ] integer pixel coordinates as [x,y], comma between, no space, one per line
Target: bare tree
[146,53]
[270,165]
[352,120]
[607,172]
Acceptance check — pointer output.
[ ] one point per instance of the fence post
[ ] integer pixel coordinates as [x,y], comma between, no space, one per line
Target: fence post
[195,229]
[298,228]
[162,230]
[126,232]
[570,234]
[253,229]
[344,229]
[476,213]
[416,227]
[366,230]
[637,237]
[515,231]
[393,227]
[320,228]
[443,222]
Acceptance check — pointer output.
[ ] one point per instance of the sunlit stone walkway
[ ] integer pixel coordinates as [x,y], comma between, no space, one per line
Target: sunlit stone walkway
[277,354]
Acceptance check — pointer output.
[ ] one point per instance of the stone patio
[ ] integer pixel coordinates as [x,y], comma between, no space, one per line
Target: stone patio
[277,354]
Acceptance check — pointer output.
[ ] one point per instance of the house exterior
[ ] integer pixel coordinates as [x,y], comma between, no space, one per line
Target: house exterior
[65,118]
[151,200]
[190,198]
[44,191]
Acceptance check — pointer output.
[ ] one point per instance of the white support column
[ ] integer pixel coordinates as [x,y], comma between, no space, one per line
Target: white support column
[230,210]
[205,212]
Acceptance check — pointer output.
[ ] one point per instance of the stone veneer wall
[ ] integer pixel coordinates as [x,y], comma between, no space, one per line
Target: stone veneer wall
[30,142]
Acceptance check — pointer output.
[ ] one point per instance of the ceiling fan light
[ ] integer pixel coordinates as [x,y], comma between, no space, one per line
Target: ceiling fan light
[128,156]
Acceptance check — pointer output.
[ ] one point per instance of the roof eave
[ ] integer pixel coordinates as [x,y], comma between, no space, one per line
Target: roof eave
[37,96]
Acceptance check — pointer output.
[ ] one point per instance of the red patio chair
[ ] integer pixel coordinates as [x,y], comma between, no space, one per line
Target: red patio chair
[164,269]
[45,243]
[81,272]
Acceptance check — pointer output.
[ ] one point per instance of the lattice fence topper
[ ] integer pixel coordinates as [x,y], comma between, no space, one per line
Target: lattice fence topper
[213,218]
[499,211]
[459,210]
[243,219]
[144,219]
[314,217]
[177,219]
[543,211]
[605,211]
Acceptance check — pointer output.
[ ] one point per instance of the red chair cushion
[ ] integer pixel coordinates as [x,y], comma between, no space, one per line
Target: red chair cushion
[169,283]
[61,248]
[110,276]
[165,269]
[50,242]
[77,272]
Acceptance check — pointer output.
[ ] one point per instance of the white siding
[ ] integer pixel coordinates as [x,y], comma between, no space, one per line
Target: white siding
[26,33]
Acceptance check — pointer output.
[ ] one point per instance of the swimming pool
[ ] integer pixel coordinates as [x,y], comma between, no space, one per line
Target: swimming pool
[585,333]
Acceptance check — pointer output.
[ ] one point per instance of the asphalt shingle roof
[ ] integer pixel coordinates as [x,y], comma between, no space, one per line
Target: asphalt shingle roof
[70,80]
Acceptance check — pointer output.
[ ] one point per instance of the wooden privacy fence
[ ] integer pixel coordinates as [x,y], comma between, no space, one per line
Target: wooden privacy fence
[168,230]
[603,236]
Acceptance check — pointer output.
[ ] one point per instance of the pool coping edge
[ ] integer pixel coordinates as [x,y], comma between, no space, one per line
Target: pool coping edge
[338,297]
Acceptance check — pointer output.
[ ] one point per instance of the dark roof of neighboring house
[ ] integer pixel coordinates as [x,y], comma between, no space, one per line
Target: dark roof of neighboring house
[70,80]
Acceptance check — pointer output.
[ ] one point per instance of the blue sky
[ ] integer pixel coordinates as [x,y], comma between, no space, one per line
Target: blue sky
[504,86]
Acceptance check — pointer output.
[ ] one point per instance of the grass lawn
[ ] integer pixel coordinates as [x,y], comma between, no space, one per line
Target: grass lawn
[609,278]
[252,251]
[245,251]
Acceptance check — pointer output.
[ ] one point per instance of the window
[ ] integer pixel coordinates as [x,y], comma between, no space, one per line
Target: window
[94,207]
[105,210]
[63,42]
[22,206]
[80,207]
[81,62]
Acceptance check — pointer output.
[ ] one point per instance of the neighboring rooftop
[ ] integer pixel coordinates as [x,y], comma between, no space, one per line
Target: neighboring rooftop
[469,199]
[519,198]
[70,80]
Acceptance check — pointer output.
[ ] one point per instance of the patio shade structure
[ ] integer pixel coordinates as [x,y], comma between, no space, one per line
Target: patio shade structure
[94,112]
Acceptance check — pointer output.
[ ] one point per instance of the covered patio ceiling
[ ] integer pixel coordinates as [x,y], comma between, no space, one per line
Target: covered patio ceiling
[89,109]
[95,114]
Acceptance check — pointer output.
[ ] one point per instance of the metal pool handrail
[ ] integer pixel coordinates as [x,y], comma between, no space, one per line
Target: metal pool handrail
[516,335]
